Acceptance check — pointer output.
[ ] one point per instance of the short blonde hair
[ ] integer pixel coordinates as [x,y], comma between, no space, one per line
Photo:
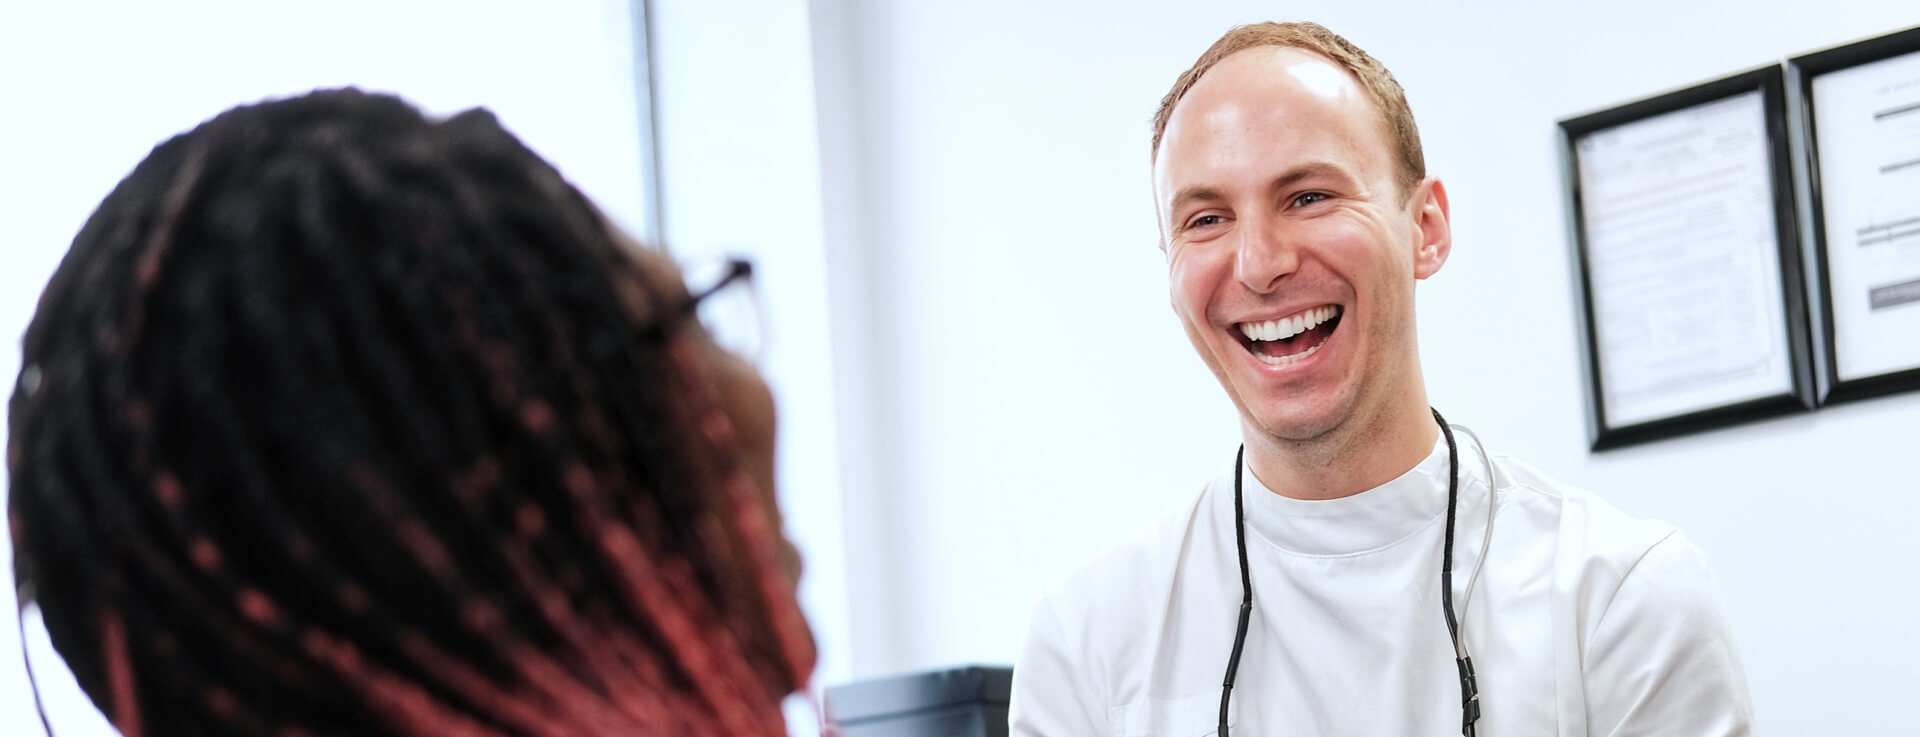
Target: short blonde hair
[1373,76]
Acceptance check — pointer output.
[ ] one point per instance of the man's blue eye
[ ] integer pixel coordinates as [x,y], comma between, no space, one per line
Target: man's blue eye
[1309,198]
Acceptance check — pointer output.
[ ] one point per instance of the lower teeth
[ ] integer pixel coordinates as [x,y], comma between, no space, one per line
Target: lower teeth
[1284,360]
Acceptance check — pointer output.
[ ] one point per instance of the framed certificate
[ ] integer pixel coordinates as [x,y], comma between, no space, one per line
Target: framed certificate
[1861,118]
[1687,261]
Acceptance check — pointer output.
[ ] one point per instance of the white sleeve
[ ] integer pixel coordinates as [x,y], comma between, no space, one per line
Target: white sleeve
[1051,694]
[1661,661]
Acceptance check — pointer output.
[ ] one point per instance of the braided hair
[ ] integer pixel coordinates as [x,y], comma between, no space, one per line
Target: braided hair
[338,420]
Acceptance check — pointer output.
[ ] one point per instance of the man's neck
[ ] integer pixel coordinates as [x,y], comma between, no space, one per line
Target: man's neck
[1345,461]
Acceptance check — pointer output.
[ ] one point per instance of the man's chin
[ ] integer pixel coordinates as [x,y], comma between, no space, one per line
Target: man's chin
[1292,422]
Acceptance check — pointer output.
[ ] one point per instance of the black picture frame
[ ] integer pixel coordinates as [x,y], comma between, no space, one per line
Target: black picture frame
[1802,72]
[1605,433]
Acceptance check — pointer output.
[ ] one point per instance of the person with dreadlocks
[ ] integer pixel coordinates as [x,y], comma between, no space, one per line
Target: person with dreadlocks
[340,420]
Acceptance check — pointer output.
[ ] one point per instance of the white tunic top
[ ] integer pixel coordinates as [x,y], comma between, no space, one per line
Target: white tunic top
[1584,621]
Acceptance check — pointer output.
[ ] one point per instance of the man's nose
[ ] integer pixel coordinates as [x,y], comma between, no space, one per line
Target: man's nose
[1264,254]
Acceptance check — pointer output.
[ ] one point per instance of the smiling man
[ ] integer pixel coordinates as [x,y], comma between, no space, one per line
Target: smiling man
[1359,570]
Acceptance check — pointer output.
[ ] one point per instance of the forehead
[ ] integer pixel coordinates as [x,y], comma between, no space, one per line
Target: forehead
[658,269]
[1265,102]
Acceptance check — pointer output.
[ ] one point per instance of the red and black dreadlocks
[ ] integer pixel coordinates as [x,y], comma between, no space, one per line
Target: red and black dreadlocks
[333,422]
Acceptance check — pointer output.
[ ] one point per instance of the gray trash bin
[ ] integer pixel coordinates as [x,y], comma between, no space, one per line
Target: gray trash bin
[960,702]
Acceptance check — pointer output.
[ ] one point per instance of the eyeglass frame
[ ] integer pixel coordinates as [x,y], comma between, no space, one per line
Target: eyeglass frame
[737,270]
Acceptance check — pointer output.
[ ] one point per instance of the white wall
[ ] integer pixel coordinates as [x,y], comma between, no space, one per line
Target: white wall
[741,173]
[86,89]
[1038,400]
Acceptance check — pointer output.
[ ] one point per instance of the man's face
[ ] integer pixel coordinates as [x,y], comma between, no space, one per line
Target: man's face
[1291,251]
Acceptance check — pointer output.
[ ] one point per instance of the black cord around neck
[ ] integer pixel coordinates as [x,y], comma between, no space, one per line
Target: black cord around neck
[1469,686]
[25,594]
[1246,588]
[1446,549]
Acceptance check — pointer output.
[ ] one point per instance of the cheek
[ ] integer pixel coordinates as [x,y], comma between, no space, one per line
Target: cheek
[746,399]
[753,413]
[1192,278]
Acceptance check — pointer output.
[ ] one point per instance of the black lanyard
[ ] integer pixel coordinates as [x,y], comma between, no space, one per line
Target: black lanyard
[1469,687]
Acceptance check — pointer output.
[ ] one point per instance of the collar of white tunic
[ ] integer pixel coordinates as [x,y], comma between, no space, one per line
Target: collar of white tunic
[1369,521]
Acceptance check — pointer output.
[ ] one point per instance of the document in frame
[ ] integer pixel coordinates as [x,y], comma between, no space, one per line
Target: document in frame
[1867,134]
[1683,265]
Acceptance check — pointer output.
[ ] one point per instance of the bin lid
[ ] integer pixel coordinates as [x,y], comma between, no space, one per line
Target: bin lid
[912,692]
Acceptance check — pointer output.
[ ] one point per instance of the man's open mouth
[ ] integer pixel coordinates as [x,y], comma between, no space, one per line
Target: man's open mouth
[1289,339]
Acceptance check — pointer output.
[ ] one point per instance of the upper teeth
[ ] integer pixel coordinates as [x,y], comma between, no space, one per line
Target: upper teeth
[1288,327]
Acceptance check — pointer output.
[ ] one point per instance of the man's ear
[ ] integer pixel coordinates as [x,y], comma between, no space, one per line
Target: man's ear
[1436,234]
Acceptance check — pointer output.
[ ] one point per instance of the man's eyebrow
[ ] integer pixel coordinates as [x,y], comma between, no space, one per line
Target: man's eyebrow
[1309,170]
[1191,193]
